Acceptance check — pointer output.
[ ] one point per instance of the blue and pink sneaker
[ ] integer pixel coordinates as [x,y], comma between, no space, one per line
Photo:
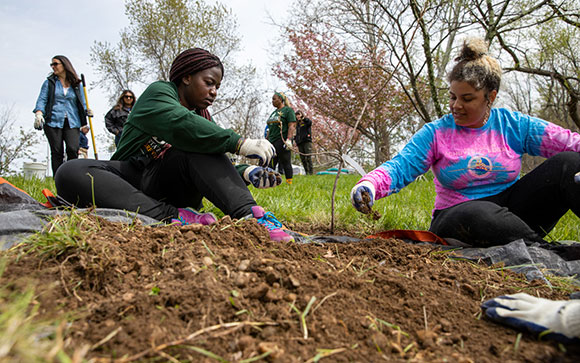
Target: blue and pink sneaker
[190,216]
[273,226]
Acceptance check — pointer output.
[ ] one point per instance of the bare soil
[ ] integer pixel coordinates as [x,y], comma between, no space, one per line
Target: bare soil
[178,293]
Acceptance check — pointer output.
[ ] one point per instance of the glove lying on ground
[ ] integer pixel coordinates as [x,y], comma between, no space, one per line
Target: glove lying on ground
[557,320]
[356,197]
[261,177]
[38,120]
[260,149]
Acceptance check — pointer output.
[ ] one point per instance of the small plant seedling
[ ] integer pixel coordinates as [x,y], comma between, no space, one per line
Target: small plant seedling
[154,291]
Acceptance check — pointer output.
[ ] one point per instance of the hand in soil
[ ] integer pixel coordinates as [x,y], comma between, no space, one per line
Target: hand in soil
[368,210]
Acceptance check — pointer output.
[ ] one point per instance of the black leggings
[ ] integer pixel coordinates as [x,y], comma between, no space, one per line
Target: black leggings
[284,157]
[178,180]
[529,209]
[56,137]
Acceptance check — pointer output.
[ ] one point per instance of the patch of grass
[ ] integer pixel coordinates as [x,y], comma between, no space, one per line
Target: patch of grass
[24,338]
[308,200]
[63,233]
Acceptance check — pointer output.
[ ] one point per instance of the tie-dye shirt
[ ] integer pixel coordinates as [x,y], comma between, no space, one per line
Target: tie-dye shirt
[471,163]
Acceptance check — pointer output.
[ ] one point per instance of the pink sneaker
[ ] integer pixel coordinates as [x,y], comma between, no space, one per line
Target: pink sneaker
[190,216]
[273,226]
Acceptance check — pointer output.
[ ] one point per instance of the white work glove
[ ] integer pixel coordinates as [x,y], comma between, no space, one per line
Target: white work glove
[90,113]
[260,149]
[288,144]
[356,196]
[38,120]
[537,315]
[261,177]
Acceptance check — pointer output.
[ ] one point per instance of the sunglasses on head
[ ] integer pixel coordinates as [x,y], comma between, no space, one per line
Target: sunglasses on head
[54,64]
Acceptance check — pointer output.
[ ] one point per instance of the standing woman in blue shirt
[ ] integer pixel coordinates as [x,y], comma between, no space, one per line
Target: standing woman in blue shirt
[60,111]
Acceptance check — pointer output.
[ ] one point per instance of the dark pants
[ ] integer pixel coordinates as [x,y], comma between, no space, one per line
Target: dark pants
[118,138]
[284,157]
[305,149]
[178,180]
[56,137]
[529,209]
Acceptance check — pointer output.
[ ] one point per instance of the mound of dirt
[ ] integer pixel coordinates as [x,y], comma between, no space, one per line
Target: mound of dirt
[189,292]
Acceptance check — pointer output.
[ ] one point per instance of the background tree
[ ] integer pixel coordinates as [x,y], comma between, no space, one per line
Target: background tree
[540,37]
[158,32]
[13,145]
[335,84]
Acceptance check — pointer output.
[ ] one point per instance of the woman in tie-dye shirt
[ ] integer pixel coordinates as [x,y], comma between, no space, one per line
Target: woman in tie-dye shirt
[475,153]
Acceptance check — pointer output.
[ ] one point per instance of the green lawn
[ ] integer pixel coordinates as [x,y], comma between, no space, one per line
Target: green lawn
[308,200]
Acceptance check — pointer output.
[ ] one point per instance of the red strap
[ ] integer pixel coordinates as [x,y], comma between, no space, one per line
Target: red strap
[421,236]
[49,198]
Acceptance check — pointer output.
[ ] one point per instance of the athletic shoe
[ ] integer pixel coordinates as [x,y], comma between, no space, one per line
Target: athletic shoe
[289,181]
[190,216]
[273,226]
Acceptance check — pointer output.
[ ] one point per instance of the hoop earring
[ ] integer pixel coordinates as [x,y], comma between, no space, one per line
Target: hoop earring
[487,113]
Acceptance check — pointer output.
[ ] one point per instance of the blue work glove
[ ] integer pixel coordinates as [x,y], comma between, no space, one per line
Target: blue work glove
[261,177]
[260,149]
[556,320]
[357,199]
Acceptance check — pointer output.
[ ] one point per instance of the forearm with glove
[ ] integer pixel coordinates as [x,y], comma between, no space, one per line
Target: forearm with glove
[262,177]
[356,196]
[38,120]
[557,320]
[260,149]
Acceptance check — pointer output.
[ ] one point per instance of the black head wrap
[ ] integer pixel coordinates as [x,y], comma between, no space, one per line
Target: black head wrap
[191,61]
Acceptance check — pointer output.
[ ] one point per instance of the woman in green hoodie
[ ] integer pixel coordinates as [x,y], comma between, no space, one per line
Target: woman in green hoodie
[171,155]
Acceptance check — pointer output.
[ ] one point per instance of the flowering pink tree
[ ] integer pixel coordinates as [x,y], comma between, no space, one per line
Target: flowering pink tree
[335,83]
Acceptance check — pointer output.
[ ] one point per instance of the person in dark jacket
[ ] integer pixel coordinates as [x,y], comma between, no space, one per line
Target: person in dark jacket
[172,154]
[84,143]
[116,117]
[303,140]
[61,110]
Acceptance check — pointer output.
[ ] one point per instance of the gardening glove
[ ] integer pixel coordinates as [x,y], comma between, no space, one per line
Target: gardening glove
[357,199]
[557,320]
[262,178]
[260,149]
[38,120]
[288,144]
[90,113]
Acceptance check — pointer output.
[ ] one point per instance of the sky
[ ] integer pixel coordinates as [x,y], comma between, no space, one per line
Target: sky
[33,31]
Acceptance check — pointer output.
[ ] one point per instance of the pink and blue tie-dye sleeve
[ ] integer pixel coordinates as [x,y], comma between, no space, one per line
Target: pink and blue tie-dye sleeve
[415,159]
[543,138]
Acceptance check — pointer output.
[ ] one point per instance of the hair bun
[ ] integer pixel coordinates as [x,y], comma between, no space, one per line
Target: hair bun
[473,48]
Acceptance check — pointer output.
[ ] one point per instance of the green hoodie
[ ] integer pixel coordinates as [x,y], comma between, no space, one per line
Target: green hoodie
[158,113]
